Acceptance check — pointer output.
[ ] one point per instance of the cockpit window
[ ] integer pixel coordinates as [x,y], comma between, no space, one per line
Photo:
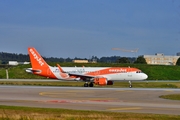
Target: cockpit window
[138,71]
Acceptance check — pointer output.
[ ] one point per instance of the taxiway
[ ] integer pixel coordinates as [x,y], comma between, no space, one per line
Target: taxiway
[137,100]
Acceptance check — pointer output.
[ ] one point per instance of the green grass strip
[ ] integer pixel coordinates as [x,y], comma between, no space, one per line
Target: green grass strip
[31,113]
[171,96]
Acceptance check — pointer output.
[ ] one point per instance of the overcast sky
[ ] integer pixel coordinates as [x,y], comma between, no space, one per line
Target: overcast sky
[85,28]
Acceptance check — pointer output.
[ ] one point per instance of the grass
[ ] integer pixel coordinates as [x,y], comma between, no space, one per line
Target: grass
[171,96]
[80,84]
[154,72]
[31,113]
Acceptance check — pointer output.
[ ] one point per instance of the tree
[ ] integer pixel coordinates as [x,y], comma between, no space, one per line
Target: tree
[140,60]
[178,62]
[123,60]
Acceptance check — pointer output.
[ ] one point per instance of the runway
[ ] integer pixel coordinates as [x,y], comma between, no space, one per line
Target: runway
[136,100]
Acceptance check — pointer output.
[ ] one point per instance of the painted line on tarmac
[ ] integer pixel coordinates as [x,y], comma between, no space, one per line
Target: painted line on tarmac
[124,91]
[79,101]
[56,94]
[65,95]
[125,108]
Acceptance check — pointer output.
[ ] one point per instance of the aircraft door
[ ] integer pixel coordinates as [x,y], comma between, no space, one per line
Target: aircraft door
[129,75]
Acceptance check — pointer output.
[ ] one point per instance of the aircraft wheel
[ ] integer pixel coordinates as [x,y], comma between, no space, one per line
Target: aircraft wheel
[91,84]
[130,84]
[85,84]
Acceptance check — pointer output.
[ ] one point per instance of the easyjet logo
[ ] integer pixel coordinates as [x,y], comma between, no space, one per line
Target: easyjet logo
[39,60]
[117,70]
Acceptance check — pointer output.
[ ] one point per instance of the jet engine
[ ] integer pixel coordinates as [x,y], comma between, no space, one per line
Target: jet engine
[102,81]
[110,82]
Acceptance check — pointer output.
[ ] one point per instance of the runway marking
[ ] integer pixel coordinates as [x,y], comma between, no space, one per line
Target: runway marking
[63,92]
[75,101]
[126,108]
[59,101]
[124,91]
[55,94]
[101,98]
[82,91]
[65,95]
[71,94]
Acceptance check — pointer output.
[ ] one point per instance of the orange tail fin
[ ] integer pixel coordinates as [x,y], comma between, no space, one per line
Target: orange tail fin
[37,62]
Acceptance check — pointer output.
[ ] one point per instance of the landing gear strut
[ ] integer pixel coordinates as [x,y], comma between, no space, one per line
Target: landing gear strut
[130,84]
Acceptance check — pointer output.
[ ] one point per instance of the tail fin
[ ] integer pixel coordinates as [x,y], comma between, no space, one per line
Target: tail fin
[39,66]
[37,62]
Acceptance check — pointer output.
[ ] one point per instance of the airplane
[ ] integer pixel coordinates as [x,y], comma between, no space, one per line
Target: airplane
[90,75]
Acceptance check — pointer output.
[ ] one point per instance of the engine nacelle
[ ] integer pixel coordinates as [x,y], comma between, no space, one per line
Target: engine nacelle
[102,81]
[110,82]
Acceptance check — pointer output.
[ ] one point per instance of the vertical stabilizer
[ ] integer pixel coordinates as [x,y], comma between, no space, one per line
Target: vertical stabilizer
[39,65]
[37,62]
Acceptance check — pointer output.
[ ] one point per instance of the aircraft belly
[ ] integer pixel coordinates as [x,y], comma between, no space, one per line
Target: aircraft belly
[118,76]
[122,76]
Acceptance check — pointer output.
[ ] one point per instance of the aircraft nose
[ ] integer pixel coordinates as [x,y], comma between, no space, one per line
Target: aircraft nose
[144,76]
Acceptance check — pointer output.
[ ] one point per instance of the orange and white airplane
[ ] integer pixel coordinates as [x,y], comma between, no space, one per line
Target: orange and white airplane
[90,75]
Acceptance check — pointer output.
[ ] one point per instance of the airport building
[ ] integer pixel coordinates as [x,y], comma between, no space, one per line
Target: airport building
[80,61]
[17,63]
[85,61]
[161,59]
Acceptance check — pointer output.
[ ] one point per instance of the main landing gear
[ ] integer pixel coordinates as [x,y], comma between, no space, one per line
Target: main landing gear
[88,85]
[130,84]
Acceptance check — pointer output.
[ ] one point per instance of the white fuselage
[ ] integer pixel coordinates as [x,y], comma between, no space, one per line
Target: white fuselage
[96,71]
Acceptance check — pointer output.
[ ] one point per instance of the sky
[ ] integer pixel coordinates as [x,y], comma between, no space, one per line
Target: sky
[85,28]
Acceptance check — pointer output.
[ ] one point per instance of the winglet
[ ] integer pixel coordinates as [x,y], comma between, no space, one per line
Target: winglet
[61,70]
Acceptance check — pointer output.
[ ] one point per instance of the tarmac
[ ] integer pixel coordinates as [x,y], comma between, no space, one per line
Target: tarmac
[136,100]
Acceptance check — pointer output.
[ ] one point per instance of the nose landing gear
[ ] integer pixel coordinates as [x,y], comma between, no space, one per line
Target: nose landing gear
[130,84]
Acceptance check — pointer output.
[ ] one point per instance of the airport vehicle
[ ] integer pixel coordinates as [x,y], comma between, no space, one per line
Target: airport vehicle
[90,75]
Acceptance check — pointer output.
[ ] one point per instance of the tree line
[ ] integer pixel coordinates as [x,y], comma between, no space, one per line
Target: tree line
[6,57]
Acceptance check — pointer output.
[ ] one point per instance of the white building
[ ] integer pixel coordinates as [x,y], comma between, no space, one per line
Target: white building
[17,63]
[80,61]
[13,63]
[161,59]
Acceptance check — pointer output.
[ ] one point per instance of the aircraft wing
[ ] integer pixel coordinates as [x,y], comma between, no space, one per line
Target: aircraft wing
[78,76]
[81,75]
[73,74]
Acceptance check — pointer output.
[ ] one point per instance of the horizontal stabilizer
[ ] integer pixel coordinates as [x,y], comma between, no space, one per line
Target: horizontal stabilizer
[30,70]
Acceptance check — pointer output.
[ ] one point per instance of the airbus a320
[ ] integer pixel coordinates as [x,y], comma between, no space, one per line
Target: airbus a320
[90,75]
